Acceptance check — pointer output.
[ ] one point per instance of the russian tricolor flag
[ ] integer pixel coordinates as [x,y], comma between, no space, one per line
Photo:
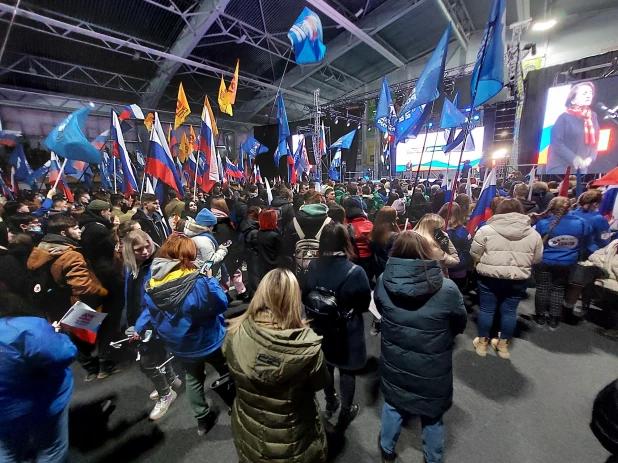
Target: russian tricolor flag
[207,146]
[54,171]
[131,112]
[232,171]
[120,150]
[257,174]
[100,141]
[160,163]
[482,210]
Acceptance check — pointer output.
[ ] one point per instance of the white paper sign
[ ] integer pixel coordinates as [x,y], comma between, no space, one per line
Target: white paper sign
[84,317]
[373,309]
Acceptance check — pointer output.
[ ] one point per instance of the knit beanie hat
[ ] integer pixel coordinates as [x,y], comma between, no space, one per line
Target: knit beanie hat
[315,209]
[400,206]
[98,205]
[205,218]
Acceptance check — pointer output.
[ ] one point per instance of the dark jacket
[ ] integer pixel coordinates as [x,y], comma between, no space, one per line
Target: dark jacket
[285,210]
[35,379]
[248,237]
[530,207]
[346,350]
[380,253]
[238,212]
[134,293]
[16,284]
[422,313]
[269,246]
[462,241]
[604,422]
[223,232]
[156,227]
[567,142]
[542,198]
[186,309]
[276,416]
[310,218]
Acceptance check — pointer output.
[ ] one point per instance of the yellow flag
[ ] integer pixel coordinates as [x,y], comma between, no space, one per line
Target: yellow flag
[182,107]
[213,122]
[231,91]
[149,121]
[224,106]
[192,140]
[184,149]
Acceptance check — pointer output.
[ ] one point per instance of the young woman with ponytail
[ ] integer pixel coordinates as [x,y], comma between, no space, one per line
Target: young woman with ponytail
[564,236]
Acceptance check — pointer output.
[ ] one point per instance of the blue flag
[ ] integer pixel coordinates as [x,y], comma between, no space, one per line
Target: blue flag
[253,147]
[333,173]
[284,129]
[427,88]
[306,38]
[488,75]
[139,157]
[68,140]
[18,160]
[344,142]
[41,172]
[451,116]
[241,159]
[386,117]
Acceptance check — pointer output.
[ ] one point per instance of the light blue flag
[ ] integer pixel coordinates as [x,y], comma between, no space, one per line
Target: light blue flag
[488,75]
[253,147]
[427,88]
[344,142]
[68,140]
[335,164]
[386,117]
[451,116]
[306,38]
[284,129]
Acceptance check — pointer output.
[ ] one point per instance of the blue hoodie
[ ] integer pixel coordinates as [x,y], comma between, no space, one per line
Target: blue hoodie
[186,308]
[35,378]
[563,244]
[601,234]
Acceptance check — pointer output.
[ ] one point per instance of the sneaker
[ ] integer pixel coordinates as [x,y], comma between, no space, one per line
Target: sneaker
[90,377]
[554,323]
[331,407]
[386,457]
[204,426]
[154,395]
[113,371]
[539,320]
[163,404]
[347,416]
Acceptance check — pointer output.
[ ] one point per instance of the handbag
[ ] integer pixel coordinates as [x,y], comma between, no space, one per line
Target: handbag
[583,273]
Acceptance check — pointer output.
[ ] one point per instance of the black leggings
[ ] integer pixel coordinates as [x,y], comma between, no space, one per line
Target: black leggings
[347,385]
[153,354]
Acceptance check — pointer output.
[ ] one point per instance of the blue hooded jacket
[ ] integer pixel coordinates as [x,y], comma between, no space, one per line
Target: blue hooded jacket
[601,233]
[562,247]
[186,308]
[35,378]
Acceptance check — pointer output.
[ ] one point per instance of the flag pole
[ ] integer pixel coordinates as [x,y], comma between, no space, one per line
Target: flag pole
[114,160]
[432,155]
[420,161]
[64,163]
[83,173]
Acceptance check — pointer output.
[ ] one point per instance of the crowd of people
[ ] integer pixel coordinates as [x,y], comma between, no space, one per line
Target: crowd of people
[310,263]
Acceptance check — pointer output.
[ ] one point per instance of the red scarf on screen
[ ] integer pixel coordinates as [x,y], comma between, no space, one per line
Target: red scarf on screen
[584,112]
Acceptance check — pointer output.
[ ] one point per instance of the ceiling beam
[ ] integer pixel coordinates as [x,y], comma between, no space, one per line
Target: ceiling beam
[445,7]
[355,30]
[523,10]
[190,36]
[380,18]
[143,49]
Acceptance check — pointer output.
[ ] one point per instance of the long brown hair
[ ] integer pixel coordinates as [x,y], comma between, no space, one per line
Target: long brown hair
[411,245]
[279,294]
[558,207]
[457,216]
[220,205]
[181,248]
[385,224]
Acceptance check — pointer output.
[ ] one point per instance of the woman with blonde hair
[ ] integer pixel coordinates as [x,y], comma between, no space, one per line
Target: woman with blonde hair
[430,227]
[138,253]
[277,365]
[564,238]
[461,239]
[185,306]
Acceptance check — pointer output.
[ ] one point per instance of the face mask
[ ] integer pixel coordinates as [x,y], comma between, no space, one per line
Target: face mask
[36,229]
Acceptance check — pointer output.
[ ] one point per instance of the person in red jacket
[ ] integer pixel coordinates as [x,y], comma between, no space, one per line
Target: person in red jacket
[355,216]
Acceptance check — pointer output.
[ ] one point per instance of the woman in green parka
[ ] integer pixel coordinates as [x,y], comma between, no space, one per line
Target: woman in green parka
[277,365]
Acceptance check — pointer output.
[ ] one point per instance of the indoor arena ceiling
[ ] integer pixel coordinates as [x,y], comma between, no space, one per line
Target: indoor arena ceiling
[138,51]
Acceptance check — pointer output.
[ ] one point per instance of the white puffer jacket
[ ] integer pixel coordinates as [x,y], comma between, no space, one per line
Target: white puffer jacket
[607,259]
[507,247]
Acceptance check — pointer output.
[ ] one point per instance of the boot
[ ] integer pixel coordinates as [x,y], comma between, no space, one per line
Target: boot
[480,345]
[501,347]
[347,416]
[554,323]
[332,405]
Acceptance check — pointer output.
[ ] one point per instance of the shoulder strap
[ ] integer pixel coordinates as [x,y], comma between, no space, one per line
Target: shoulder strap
[319,233]
[211,238]
[299,230]
[345,278]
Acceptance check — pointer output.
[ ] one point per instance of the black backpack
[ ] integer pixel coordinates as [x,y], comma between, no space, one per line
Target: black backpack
[47,294]
[325,316]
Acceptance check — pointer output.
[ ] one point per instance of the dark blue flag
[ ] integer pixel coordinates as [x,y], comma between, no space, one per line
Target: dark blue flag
[306,38]
[253,147]
[18,160]
[284,129]
[344,142]
[386,117]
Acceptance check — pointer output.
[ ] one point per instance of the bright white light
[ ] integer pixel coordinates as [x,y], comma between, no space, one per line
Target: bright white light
[499,154]
[544,25]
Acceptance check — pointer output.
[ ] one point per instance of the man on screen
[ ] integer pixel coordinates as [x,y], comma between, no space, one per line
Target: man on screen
[575,134]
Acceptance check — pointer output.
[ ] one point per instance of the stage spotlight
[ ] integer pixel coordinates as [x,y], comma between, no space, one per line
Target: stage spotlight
[348,124]
[476,117]
[468,109]
[336,120]
[544,25]
[499,154]
[359,126]
[369,129]
[430,125]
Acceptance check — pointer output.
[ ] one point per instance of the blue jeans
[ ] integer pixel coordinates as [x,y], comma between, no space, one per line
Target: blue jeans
[433,432]
[505,294]
[44,439]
